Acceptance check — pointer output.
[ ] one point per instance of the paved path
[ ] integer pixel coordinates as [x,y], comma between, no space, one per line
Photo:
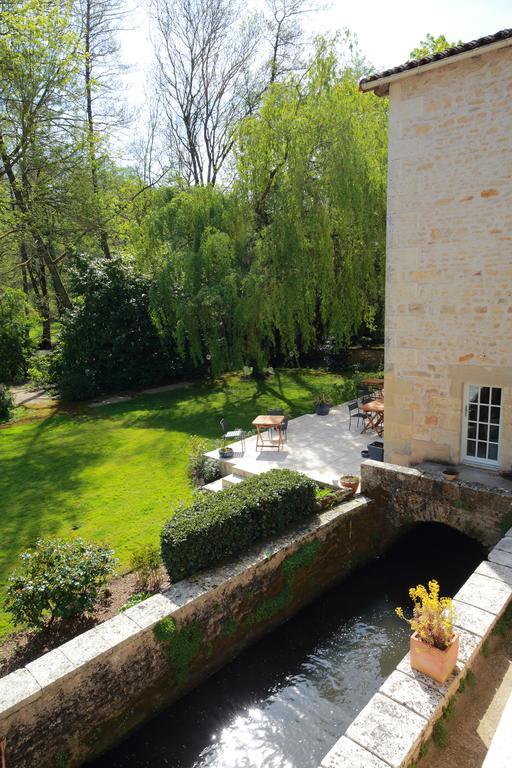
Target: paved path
[152,391]
[32,398]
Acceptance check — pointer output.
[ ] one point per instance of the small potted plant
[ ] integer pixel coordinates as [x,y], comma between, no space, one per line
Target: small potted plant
[350,482]
[434,646]
[450,473]
[226,452]
[322,403]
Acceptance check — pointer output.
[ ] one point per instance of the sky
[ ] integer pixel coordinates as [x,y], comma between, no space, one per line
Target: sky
[387,30]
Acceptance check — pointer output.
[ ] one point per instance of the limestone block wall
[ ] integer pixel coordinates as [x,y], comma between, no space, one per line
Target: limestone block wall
[77,700]
[449,253]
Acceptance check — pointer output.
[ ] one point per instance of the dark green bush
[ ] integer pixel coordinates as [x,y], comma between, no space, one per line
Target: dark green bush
[6,403]
[219,525]
[109,341]
[58,579]
[15,342]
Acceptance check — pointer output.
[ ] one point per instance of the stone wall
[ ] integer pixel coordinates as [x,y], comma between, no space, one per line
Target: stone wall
[409,496]
[449,253]
[77,700]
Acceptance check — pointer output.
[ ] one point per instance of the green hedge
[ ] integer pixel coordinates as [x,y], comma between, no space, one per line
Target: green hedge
[219,525]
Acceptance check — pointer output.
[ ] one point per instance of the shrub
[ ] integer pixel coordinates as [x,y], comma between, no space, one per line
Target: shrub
[146,562]
[58,579]
[200,468]
[219,525]
[41,368]
[15,342]
[108,340]
[433,616]
[6,403]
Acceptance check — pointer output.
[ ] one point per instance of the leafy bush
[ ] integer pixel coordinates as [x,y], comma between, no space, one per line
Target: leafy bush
[41,368]
[58,579]
[146,562]
[218,525]
[201,469]
[6,403]
[108,340]
[15,342]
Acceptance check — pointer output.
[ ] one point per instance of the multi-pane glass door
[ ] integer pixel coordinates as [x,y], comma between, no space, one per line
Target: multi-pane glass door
[482,424]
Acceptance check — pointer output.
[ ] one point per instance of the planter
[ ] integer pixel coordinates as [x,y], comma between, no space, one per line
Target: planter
[349,482]
[226,453]
[322,409]
[450,474]
[431,661]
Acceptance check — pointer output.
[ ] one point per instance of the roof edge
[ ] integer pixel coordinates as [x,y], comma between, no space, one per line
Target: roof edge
[380,82]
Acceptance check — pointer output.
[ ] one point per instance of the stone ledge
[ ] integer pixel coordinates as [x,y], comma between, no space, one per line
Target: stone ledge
[16,690]
[348,754]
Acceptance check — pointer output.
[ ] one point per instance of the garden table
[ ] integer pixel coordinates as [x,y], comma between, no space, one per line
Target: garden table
[264,423]
[375,409]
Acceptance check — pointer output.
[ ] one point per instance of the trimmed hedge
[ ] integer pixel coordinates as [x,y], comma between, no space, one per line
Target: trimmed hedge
[219,525]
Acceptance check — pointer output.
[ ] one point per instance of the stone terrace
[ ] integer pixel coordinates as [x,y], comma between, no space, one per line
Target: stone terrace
[321,447]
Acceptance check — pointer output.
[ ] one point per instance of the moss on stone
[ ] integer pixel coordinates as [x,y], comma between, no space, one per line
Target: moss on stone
[229,627]
[181,645]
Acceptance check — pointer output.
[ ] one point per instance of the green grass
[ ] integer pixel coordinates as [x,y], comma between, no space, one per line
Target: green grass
[113,474]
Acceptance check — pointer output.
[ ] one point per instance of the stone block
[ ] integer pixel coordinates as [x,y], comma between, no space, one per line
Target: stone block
[486,593]
[389,730]
[405,667]
[468,645]
[85,647]
[504,544]
[151,611]
[347,754]
[421,695]
[17,690]
[117,629]
[496,571]
[51,667]
[474,620]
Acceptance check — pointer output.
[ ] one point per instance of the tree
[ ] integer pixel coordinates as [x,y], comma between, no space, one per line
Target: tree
[15,343]
[431,45]
[204,56]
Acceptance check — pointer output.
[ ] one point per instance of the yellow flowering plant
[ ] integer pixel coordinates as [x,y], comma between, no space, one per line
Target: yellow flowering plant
[432,617]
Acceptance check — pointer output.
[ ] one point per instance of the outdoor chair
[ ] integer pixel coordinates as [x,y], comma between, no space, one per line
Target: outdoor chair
[355,413]
[284,428]
[232,435]
[362,391]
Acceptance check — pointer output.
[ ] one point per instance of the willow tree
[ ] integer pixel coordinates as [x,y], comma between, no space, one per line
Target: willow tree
[294,252]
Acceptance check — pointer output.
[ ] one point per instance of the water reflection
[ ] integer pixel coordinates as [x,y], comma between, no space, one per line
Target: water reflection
[286,700]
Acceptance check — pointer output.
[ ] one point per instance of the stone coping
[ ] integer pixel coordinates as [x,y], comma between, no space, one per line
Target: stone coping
[390,729]
[26,684]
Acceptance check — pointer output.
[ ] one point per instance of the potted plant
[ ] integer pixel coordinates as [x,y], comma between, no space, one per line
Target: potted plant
[226,452]
[349,481]
[322,403]
[450,474]
[434,646]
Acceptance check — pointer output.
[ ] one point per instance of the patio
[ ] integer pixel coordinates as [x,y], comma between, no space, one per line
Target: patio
[321,447]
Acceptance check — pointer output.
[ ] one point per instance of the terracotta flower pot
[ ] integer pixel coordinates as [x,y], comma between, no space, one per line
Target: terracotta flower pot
[349,483]
[450,474]
[431,661]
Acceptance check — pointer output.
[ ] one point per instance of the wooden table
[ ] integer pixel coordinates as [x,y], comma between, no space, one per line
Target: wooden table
[264,423]
[377,384]
[375,409]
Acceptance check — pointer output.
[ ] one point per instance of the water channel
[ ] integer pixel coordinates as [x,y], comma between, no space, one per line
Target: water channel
[287,699]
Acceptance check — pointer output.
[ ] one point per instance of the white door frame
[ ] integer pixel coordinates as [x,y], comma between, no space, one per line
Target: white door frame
[475,460]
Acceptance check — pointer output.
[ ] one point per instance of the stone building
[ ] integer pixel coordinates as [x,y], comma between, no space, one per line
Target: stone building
[448,358]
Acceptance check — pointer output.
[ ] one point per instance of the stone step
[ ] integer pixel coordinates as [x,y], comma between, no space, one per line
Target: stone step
[230,480]
[215,486]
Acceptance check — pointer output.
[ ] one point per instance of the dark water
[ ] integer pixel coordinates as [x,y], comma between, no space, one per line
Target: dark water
[286,700]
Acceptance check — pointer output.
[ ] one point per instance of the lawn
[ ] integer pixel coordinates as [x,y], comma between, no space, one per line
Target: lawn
[113,474]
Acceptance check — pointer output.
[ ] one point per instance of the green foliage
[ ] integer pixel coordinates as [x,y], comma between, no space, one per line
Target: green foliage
[58,579]
[146,562]
[504,622]
[15,342]
[218,526]
[423,750]
[6,403]
[449,710]
[229,627]
[62,759]
[432,45]
[440,734]
[41,369]
[485,649]
[108,340]
[135,599]
[181,645]
[201,469]
[506,523]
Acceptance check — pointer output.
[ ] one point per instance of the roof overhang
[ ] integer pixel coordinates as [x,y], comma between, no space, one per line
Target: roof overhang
[380,85]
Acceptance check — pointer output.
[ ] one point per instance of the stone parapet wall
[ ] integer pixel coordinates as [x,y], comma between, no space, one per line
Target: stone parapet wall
[449,247]
[410,496]
[398,720]
[77,700]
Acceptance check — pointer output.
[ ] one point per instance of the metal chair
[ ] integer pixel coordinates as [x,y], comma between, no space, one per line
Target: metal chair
[355,413]
[284,426]
[232,435]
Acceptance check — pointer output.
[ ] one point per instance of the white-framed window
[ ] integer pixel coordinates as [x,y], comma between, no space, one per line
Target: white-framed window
[482,425]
